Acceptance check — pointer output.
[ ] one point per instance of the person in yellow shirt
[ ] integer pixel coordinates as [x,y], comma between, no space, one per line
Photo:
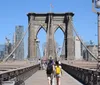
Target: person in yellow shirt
[58,73]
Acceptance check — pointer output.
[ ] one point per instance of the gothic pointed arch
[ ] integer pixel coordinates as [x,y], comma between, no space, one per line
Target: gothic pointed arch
[59,45]
[41,36]
[58,27]
[39,28]
[50,22]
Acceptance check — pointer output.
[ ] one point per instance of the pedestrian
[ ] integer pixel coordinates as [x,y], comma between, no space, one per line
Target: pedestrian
[59,62]
[50,71]
[39,62]
[58,72]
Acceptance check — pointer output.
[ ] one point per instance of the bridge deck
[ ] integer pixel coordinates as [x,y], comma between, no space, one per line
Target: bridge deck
[39,78]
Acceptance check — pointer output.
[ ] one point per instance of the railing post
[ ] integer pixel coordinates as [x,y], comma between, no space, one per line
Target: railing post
[0,80]
[98,78]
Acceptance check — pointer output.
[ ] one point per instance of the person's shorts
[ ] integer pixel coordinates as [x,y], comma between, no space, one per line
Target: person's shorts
[58,75]
[49,76]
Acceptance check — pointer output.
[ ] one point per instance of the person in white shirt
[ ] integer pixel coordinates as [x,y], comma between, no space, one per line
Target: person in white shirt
[59,62]
[39,62]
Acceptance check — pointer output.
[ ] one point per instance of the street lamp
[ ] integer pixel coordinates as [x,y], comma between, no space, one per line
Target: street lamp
[96,4]
[58,52]
[37,47]
[37,40]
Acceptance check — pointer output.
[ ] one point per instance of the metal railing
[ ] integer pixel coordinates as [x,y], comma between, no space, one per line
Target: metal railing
[7,75]
[85,76]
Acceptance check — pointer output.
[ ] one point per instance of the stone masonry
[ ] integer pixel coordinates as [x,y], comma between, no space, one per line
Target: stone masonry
[51,22]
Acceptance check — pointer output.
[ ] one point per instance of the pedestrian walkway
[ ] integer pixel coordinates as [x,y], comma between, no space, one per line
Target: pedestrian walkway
[40,78]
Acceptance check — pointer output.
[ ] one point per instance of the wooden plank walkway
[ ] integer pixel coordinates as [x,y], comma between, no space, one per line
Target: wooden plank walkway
[40,78]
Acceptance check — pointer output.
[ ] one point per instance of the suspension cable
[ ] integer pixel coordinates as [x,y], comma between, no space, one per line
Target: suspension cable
[5,59]
[84,44]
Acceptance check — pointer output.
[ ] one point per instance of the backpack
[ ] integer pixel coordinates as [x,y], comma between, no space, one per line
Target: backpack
[58,70]
[49,69]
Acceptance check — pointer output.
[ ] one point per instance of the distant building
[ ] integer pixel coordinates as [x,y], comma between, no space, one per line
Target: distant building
[19,53]
[81,53]
[38,53]
[2,51]
[63,51]
[78,49]
[8,46]
[94,49]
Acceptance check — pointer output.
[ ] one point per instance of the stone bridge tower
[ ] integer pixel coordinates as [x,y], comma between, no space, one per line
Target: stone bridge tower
[51,22]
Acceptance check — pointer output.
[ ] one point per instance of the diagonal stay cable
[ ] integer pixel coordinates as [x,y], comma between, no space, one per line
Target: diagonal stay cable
[84,44]
[5,59]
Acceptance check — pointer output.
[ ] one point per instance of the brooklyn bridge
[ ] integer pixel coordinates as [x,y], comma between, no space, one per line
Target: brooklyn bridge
[80,66]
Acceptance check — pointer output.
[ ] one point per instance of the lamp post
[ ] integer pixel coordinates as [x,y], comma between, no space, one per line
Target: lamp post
[37,47]
[59,48]
[96,4]
[58,52]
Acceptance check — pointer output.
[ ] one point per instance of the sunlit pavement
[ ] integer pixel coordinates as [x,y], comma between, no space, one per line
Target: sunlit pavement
[40,78]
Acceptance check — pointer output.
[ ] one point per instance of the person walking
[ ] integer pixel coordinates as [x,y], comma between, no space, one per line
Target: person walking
[50,71]
[39,62]
[58,73]
[59,62]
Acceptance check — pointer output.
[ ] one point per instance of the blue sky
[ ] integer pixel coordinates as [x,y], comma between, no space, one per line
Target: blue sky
[13,12]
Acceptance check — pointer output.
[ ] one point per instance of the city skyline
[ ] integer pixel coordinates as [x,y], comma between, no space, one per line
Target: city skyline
[41,34]
[18,17]
[19,53]
[14,13]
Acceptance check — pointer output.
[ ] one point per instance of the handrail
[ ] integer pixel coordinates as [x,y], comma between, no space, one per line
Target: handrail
[7,75]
